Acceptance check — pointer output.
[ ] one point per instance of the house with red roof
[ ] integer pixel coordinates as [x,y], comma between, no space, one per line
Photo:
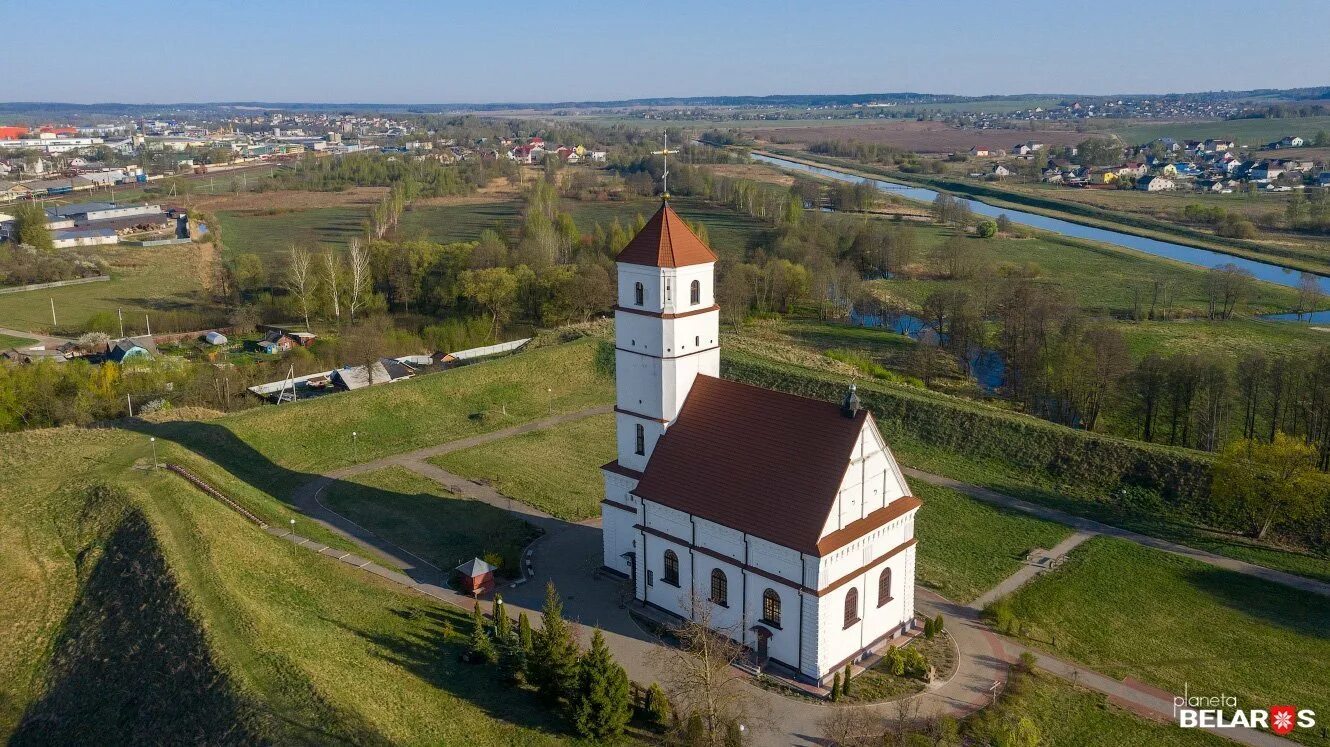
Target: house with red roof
[785,519]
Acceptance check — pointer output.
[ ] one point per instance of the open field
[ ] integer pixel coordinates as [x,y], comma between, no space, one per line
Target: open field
[144,280]
[9,341]
[967,547]
[1251,132]
[1124,609]
[238,635]
[919,137]
[1168,208]
[556,470]
[415,513]
[729,232]
[287,199]
[278,447]
[271,235]
[1099,278]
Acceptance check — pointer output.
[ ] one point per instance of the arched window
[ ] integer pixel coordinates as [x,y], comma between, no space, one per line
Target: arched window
[720,588]
[851,607]
[641,446]
[771,608]
[884,587]
[639,294]
[695,293]
[671,568]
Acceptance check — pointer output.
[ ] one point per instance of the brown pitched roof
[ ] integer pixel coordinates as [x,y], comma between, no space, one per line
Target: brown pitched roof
[666,241]
[763,462]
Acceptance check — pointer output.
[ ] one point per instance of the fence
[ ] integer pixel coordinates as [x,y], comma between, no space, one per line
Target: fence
[215,493]
[157,242]
[55,284]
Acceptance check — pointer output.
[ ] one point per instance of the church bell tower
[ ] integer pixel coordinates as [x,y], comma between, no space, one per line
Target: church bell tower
[666,327]
[666,332]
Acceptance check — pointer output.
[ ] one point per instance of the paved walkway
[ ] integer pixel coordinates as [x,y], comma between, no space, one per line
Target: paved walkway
[1041,562]
[570,555]
[44,340]
[1093,527]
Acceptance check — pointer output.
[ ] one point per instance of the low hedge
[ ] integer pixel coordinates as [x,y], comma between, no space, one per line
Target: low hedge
[1113,470]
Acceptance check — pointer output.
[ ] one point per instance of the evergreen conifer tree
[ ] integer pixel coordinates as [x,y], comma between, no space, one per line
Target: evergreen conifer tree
[601,705]
[482,648]
[553,665]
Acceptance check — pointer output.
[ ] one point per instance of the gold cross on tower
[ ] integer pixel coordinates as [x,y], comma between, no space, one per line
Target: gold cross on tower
[665,177]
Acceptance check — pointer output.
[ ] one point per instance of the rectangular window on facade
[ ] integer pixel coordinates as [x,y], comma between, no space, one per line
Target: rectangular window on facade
[640,448]
[651,577]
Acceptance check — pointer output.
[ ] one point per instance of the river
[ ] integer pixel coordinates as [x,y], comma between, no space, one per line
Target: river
[1180,252]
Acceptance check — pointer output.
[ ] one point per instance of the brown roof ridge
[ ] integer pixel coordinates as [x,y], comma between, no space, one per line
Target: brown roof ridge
[764,462]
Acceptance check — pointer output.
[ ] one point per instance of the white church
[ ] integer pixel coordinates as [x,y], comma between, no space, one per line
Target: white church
[788,516]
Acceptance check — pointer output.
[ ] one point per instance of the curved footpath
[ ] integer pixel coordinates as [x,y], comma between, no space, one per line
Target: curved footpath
[569,555]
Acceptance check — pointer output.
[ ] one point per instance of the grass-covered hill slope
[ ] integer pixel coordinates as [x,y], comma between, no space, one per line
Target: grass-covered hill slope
[136,609]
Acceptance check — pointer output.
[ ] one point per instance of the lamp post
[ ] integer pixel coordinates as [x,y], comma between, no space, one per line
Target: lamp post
[153,440]
[293,526]
[355,447]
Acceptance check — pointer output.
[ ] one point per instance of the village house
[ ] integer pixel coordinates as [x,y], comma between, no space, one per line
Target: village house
[980,152]
[1154,184]
[783,521]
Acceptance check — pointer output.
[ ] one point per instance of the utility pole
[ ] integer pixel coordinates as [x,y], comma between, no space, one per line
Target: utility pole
[54,323]
[148,324]
[121,315]
[129,399]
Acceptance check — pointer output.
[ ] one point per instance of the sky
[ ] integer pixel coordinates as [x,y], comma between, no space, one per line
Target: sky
[437,51]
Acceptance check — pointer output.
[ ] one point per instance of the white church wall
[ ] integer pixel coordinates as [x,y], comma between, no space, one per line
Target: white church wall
[626,435]
[652,585]
[619,537]
[678,288]
[861,552]
[838,641]
[729,616]
[783,644]
[688,334]
[719,538]
[653,290]
[872,481]
[775,559]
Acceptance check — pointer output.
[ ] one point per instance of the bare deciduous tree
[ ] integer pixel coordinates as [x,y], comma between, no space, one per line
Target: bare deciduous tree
[700,673]
[358,283]
[300,280]
[852,727]
[332,278]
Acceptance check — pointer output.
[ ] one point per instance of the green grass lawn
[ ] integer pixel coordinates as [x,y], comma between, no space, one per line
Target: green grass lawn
[161,280]
[271,236]
[1067,715]
[1100,279]
[416,513]
[1124,609]
[556,470]
[9,341]
[1076,499]
[280,447]
[967,547]
[297,648]
[463,222]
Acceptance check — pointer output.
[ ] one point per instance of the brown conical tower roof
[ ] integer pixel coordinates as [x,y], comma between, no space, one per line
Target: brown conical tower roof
[666,241]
